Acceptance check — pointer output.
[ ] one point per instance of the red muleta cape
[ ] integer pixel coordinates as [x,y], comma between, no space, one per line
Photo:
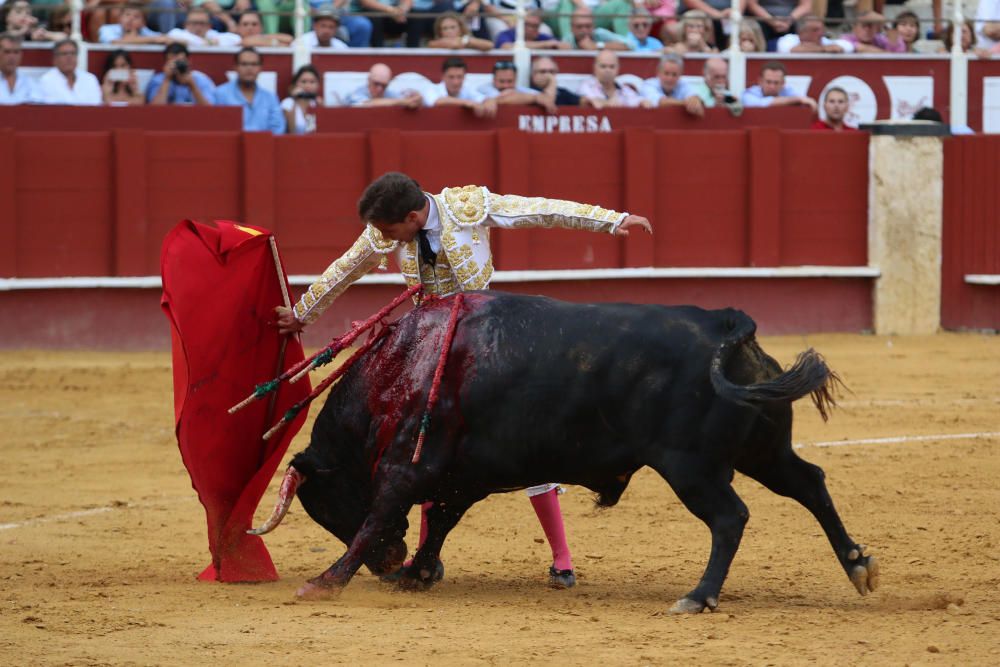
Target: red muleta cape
[220,287]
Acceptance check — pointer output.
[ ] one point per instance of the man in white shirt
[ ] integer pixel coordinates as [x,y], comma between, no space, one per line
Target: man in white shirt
[197,31]
[64,83]
[326,22]
[810,39]
[376,92]
[14,88]
[452,90]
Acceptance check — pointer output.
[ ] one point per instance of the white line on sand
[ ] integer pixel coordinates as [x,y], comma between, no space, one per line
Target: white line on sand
[899,438]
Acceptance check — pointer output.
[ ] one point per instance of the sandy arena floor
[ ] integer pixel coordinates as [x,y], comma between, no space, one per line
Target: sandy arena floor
[101,537]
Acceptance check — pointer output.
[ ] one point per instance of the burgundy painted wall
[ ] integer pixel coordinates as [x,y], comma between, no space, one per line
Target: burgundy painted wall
[971,243]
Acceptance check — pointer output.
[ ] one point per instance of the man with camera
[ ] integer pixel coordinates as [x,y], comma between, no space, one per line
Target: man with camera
[178,83]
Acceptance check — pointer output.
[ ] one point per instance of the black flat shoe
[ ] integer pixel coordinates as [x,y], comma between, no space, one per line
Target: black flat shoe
[561,578]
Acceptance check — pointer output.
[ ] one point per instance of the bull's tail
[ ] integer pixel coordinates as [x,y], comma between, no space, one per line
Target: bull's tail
[808,375]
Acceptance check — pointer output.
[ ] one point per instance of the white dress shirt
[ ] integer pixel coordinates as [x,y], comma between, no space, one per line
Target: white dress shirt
[54,88]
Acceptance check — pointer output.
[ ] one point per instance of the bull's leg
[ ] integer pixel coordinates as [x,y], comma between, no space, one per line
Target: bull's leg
[387,510]
[711,498]
[788,475]
[425,569]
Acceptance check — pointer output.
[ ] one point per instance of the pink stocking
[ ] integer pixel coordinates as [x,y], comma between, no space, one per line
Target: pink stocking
[550,516]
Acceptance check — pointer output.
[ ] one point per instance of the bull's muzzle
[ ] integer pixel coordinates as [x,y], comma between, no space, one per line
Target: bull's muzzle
[291,481]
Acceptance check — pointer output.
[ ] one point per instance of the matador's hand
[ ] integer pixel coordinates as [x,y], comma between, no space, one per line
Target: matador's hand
[633,221]
[287,323]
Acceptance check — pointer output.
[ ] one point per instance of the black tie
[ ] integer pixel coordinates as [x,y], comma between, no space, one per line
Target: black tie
[425,248]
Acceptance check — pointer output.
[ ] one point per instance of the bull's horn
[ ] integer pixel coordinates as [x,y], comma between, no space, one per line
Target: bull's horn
[293,478]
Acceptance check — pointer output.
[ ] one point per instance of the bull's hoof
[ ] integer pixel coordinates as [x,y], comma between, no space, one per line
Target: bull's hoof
[315,590]
[561,578]
[410,578]
[863,571]
[690,606]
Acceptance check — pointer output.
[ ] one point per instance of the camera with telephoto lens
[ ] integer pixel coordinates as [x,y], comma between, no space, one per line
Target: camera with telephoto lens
[181,66]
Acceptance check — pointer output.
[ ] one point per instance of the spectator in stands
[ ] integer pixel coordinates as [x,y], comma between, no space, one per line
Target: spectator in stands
[836,104]
[504,89]
[453,91]
[498,16]
[867,37]
[907,28]
[583,35]
[451,32]
[353,29]
[639,24]
[197,31]
[752,37]
[771,90]
[18,20]
[713,89]
[224,10]
[988,24]
[303,98]
[130,29]
[60,22]
[64,83]
[326,22]
[395,18]
[250,28]
[604,90]
[119,86]
[610,16]
[664,15]
[534,36]
[717,11]
[543,79]
[668,89]
[178,83]
[696,29]
[261,109]
[778,17]
[810,39]
[165,15]
[968,35]
[376,93]
[15,88]
[358,28]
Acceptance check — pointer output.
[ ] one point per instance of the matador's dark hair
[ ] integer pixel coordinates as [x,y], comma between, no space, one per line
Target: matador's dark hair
[390,198]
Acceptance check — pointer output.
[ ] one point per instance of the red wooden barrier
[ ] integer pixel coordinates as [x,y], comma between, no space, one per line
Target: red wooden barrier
[43,118]
[100,203]
[971,243]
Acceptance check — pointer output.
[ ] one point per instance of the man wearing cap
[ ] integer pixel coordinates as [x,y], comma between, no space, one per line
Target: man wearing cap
[326,22]
[867,37]
[376,93]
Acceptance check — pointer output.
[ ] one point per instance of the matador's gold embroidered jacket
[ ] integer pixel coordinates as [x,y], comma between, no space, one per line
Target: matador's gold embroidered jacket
[465,262]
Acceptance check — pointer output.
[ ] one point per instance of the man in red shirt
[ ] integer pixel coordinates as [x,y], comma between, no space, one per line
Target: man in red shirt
[835,106]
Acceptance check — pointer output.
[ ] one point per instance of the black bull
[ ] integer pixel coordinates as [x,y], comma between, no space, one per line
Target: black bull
[537,390]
